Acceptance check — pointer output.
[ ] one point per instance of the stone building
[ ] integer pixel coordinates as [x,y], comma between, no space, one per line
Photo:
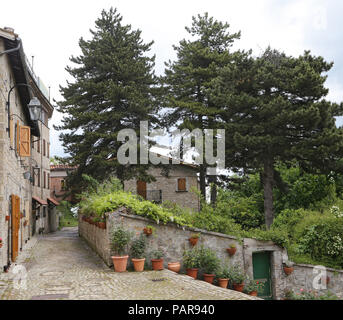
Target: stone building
[176,186]
[26,207]
[58,175]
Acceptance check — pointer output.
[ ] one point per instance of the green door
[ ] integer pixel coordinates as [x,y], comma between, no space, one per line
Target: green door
[261,267]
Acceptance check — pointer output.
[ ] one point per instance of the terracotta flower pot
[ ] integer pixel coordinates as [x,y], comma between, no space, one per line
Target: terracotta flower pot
[231,251]
[147,231]
[138,264]
[223,282]
[193,241]
[288,270]
[209,277]
[120,263]
[253,293]
[174,266]
[192,272]
[7,218]
[238,286]
[157,264]
[102,225]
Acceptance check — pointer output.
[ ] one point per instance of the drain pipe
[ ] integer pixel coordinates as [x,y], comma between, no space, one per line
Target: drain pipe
[12,50]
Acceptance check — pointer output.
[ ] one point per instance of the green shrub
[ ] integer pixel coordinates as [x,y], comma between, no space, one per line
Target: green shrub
[191,258]
[120,240]
[323,240]
[138,247]
[209,262]
[237,274]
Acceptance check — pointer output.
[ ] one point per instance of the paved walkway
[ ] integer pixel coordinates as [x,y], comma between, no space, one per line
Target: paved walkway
[62,266]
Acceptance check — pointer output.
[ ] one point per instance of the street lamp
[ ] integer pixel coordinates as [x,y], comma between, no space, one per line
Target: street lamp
[35,109]
[34,106]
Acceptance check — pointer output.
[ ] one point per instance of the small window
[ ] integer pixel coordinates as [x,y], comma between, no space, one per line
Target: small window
[38,178]
[48,180]
[44,150]
[63,185]
[44,177]
[181,184]
[38,146]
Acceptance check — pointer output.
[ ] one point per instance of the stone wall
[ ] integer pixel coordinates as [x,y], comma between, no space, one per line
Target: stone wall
[173,240]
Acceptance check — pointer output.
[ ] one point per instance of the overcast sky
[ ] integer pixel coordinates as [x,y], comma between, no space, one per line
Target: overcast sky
[50,31]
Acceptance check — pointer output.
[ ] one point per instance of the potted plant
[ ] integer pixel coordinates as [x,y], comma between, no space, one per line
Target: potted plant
[157,260]
[223,277]
[137,253]
[232,249]
[253,286]
[120,241]
[209,264]
[288,267]
[191,261]
[102,223]
[238,277]
[149,230]
[194,239]
[174,266]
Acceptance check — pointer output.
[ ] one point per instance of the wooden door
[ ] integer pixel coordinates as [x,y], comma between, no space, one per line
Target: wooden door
[15,219]
[261,267]
[141,188]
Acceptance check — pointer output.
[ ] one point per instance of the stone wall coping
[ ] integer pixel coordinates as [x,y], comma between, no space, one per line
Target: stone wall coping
[217,234]
[312,266]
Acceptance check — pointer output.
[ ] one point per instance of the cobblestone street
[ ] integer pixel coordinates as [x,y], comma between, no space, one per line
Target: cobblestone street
[62,266]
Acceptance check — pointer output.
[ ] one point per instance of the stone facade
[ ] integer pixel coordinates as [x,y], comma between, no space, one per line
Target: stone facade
[168,186]
[13,68]
[58,175]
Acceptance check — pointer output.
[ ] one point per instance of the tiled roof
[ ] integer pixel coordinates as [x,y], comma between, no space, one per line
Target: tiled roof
[61,167]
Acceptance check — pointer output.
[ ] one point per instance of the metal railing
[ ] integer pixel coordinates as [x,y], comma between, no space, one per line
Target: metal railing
[37,79]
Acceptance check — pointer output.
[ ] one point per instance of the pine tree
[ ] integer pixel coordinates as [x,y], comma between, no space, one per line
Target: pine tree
[274,110]
[188,79]
[114,88]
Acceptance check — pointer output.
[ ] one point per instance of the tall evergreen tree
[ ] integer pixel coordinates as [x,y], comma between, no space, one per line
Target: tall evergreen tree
[274,110]
[114,88]
[188,79]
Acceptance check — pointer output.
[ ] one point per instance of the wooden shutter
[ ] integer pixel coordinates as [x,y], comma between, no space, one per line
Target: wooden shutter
[15,217]
[141,188]
[48,180]
[39,178]
[24,141]
[181,184]
[38,146]
[17,137]
[44,150]
[44,176]
[11,133]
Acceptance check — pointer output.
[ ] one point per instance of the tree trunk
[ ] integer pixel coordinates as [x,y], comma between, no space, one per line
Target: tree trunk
[213,181]
[203,181]
[268,182]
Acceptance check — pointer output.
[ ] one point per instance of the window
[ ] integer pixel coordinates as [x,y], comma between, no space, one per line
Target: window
[48,180]
[38,180]
[181,184]
[38,146]
[48,150]
[63,185]
[44,177]
[44,150]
